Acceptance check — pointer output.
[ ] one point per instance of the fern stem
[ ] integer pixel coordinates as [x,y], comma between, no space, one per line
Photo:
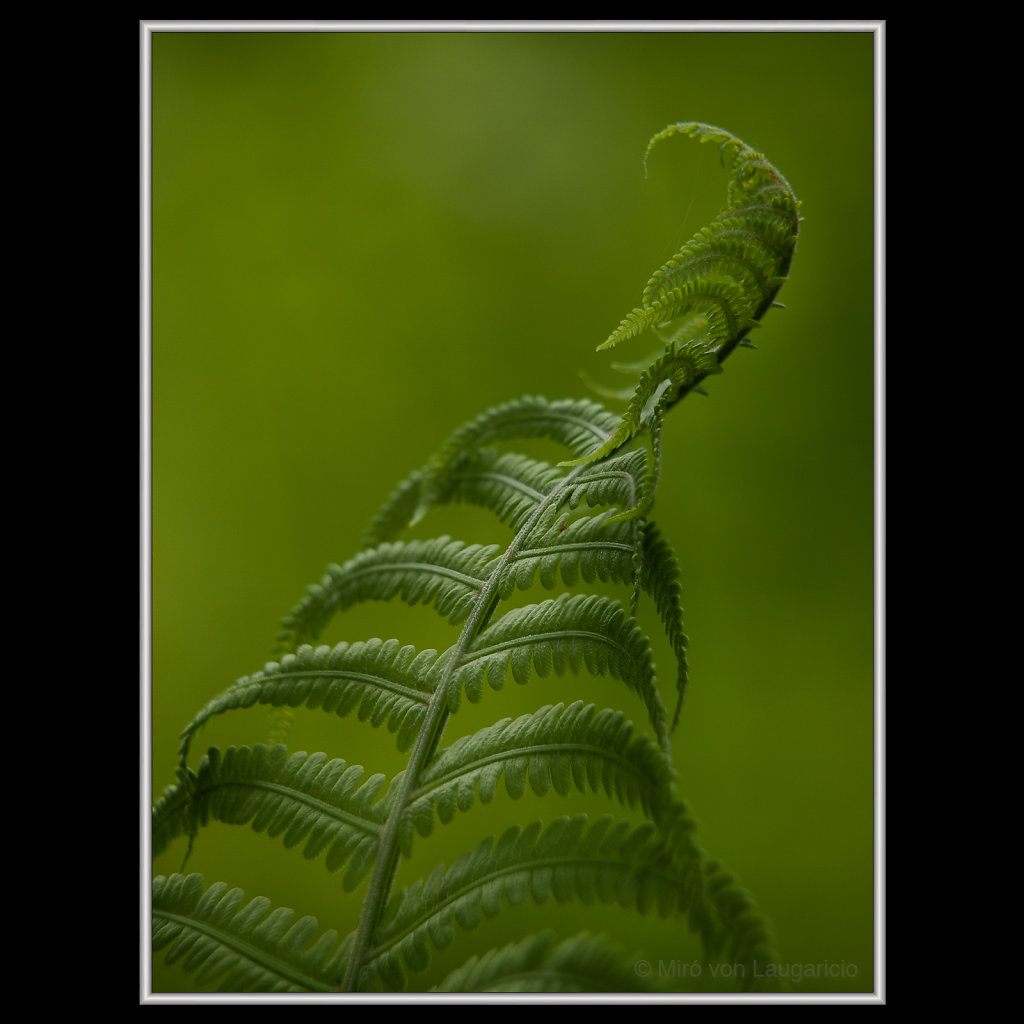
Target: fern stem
[427,740]
[386,863]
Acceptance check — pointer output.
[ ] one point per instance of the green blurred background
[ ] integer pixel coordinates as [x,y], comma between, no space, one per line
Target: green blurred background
[360,241]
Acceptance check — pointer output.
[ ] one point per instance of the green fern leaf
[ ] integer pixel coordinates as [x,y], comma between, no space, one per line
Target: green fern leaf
[740,934]
[561,636]
[556,748]
[442,572]
[677,372]
[570,859]
[303,798]
[591,548]
[659,577]
[239,946]
[510,485]
[731,271]
[583,963]
[617,483]
[382,682]
[575,424]
[582,522]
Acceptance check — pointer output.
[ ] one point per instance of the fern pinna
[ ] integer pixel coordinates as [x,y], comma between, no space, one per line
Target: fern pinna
[582,520]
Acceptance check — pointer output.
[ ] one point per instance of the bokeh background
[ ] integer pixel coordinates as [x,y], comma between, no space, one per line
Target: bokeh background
[360,241]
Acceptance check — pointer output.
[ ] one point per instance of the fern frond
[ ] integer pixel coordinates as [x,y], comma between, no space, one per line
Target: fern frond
[558,748]
[591,548]
[619,482]
[723,303]
[659,578]
[750,171]
[649,486]
[731,270]
[382,682]
[442,572]
[302,798]
[741,935]
[561,636]
[577,425]
[512,485]
[570,859]
[574,524]
[240,946]
[583,963]
[679,370]
[508,484]
[745,260]
[397,512]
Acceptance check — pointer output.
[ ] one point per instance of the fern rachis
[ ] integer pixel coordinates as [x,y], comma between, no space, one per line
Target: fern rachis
[573,523]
